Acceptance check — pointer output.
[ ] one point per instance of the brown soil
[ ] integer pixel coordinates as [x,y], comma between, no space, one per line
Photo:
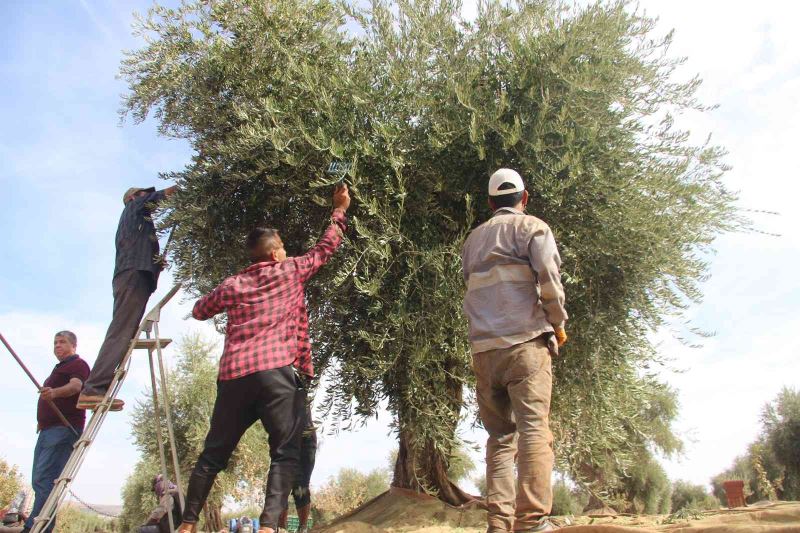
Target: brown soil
[397,512]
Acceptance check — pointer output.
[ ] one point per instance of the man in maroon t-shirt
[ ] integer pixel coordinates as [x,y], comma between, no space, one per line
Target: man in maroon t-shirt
[55,441]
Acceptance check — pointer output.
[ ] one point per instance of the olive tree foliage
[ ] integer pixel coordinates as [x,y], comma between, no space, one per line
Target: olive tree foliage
[637,483]
[780,421]
[566,500]
[192,389]
[686,495]
[10,482]
[138,498]
[646,489]
[424,104]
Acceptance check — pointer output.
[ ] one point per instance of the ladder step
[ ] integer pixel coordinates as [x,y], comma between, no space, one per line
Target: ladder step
[151,344]
[82,445]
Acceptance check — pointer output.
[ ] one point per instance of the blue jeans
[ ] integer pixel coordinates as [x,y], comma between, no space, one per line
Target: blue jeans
[52,451]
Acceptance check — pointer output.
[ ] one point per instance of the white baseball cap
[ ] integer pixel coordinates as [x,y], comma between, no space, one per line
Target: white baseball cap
[505,176]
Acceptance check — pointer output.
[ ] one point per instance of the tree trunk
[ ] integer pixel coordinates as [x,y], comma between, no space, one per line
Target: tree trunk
[424,469]
[422,466]
[595,506]
[213,517]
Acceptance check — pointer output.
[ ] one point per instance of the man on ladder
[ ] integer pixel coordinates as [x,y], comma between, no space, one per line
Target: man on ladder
[136,273]
[54,445]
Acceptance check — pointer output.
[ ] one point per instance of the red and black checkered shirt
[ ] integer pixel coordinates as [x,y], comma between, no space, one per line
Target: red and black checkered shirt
[267,317]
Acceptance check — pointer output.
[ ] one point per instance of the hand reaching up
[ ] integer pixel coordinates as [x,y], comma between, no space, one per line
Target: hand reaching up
[341,197]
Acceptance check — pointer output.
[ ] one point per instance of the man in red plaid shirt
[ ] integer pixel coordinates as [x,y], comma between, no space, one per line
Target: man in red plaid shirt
[266,346]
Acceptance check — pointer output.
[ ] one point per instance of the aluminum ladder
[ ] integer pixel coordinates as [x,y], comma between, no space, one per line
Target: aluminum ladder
[154,346]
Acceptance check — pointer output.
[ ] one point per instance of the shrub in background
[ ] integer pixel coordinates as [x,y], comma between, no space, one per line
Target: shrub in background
[685,495]
[566,500]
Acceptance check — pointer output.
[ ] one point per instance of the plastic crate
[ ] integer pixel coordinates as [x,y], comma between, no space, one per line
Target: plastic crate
[293,524]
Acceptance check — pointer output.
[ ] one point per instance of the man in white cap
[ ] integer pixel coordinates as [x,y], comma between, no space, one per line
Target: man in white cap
[136,271]
[515,306]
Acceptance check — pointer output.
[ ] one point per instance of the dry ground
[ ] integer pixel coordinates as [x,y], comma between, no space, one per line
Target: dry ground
[395,512]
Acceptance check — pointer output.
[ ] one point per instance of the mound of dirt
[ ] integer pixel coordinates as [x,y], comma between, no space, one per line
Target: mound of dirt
[398,512]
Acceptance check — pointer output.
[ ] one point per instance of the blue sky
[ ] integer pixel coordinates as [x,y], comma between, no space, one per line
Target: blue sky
[66,161]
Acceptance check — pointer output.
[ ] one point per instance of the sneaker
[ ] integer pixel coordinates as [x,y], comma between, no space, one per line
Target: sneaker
[544,525]
[91,402]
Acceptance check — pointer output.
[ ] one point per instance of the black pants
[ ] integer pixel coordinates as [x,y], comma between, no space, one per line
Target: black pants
[132,289]
[308,454]
[277,398]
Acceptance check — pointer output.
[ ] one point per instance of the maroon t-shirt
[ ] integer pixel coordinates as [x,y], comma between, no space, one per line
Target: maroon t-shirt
[71,367]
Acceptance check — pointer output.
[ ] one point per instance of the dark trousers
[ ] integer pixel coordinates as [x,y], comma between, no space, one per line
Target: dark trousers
[53,448]
[308,454]
[132,289]
[277,398]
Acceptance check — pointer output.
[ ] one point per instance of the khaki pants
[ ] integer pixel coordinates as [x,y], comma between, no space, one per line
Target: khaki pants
[513,388]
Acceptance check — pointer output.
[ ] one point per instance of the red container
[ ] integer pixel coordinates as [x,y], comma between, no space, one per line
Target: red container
[734,492]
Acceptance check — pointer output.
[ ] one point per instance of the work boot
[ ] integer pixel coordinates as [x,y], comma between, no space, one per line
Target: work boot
[186,528]
[91,402]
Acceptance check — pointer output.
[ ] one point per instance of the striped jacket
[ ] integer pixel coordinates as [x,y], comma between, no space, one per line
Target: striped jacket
[514,291]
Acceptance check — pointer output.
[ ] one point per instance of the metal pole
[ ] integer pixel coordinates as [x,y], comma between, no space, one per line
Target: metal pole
[168,412]
[39,387]
[158,433]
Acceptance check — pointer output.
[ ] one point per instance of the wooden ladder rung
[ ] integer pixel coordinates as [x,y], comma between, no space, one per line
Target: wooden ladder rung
[151,344]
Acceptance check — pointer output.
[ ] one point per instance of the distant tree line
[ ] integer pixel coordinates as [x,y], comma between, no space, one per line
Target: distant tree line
[770,468]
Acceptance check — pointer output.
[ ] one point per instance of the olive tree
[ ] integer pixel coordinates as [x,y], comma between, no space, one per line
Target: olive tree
[419,104]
